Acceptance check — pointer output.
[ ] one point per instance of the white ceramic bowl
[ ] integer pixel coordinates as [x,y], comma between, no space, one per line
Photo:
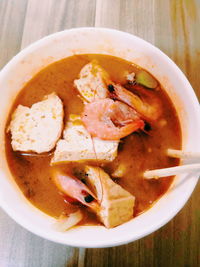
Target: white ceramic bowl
[102,41]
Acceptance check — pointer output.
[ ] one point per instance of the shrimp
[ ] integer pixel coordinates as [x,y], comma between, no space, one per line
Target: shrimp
[110,120]
[72,187]
[142,100]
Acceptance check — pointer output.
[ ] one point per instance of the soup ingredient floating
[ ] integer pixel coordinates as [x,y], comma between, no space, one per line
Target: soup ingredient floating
[74,188]
[65,222]
[77,144]
[112,204]
[146,79]
[143,101]
[110,120]
[92,82]
[38,128]
[116,204]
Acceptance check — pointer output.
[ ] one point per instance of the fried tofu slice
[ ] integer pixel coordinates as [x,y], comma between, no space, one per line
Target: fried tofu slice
[92,82]
[116,204]
[78,145]
[38,128]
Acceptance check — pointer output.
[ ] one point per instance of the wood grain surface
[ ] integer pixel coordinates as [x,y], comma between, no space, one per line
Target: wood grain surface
[174,27]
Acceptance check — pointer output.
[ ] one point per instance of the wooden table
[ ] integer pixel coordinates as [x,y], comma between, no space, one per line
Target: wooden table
[171,25]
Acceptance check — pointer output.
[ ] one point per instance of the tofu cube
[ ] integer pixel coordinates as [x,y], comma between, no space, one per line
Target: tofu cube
[38,128]
[92,82]
[78,145]
[116,204]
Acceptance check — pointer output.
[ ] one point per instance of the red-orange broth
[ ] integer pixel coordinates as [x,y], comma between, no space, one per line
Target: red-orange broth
[140,151]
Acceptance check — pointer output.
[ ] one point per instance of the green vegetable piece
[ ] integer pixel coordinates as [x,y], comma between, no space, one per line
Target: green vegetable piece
[144,78]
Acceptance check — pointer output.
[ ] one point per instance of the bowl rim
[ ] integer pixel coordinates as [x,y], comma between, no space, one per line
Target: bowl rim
[161,222]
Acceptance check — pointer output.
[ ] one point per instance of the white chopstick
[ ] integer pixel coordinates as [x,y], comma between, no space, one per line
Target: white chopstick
[171,171]
[174,153]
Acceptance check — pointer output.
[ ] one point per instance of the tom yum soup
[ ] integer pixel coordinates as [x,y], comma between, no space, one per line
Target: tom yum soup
[82,132]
